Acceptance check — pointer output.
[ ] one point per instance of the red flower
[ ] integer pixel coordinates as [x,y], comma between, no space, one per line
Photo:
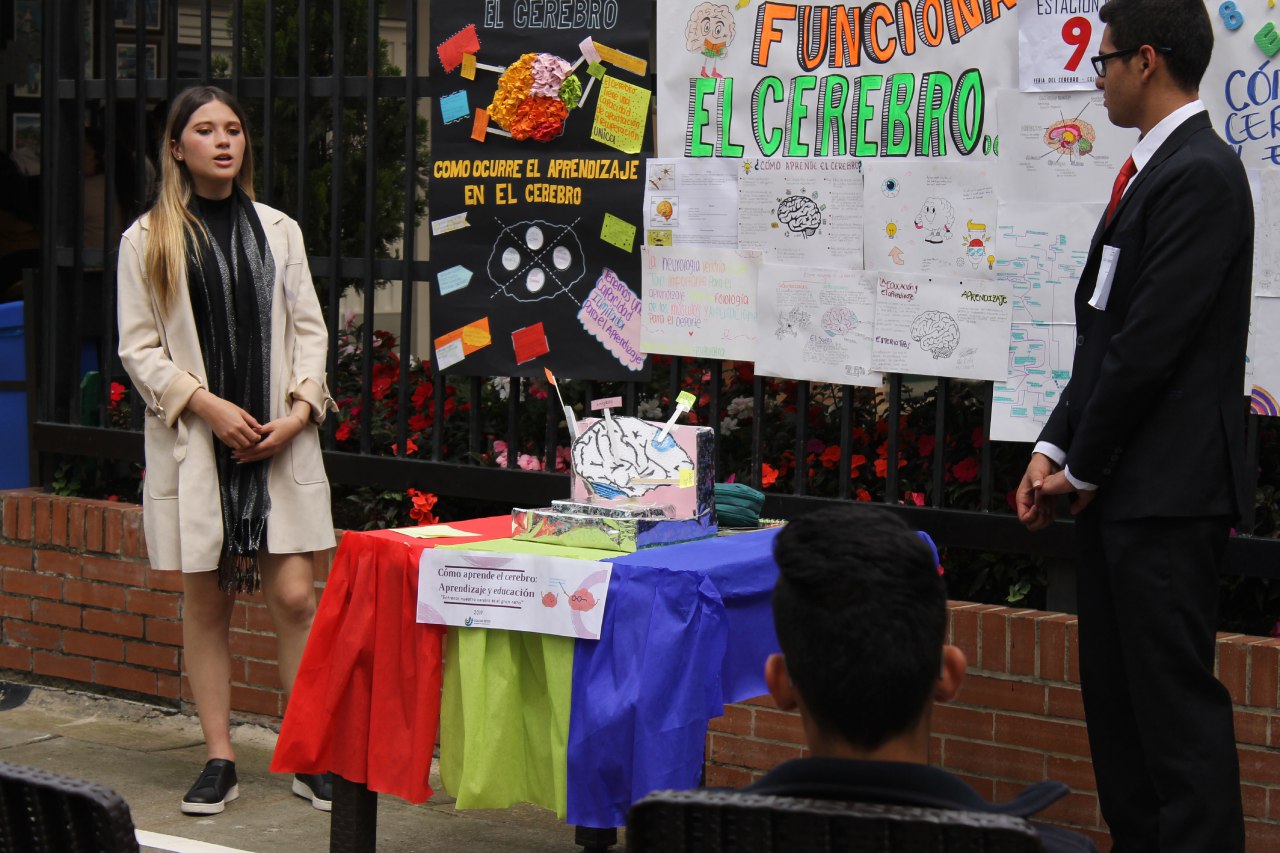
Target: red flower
[830,457]
[882,466]
[381,385]
[419,423]
[863,495]
[916,498]
[344,431]
[926,445]
[768,475]
[856,464]
[966,470]
[410,447]
[422,393]
[117,392]
[422,504]
[977,437]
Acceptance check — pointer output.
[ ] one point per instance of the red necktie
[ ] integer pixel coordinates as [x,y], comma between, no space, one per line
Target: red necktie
[1127,171]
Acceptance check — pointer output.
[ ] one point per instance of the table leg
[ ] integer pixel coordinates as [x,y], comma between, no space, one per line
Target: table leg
[353,826]
[594,840]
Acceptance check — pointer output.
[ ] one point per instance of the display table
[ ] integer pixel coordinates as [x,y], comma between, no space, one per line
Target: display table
[582,727]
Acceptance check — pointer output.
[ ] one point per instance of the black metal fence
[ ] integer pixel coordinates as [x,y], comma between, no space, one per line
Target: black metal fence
[314,77]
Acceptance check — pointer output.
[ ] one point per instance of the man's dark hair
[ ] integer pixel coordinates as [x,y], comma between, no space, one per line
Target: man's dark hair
[1180,25]
[861,616]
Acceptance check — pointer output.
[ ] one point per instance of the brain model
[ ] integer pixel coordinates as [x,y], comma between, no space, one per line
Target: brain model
[937,333]
[534,97]
[801,214]
[611,454]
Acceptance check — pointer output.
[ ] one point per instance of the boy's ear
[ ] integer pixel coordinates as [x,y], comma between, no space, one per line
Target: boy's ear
[954,665]
[779,682]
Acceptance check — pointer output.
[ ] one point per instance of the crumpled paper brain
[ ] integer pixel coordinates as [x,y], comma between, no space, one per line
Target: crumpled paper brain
[534,97]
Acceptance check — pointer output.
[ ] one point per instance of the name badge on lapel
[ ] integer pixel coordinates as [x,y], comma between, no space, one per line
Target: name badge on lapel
[1106,274]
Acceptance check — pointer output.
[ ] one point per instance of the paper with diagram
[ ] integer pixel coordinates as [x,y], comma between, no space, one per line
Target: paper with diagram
[691,202]
[803,212]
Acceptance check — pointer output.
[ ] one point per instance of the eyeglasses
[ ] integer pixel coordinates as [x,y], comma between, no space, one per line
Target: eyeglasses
[1100,61]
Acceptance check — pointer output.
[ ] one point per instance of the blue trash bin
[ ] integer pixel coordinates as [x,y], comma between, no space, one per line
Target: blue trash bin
[15,467]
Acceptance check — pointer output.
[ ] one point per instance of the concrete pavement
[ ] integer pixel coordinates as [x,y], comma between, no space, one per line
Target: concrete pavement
[151,755]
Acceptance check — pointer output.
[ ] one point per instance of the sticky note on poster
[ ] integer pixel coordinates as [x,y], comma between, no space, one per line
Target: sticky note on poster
[449,223]
[618,232]
[611,313]
[480,125]
[452,279]
[622,110]
[454,106]
[625,61]
[458,45]
[454,346]
[468,66]
[529,343]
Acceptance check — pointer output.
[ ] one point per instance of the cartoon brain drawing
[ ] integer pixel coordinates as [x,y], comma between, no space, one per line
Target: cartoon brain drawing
[937,333]
[839,321]
[611,455]
[801,214]
[790,323]
[709,33]
[935,218]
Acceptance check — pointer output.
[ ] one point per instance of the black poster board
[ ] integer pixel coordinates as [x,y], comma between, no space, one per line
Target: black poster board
[542,274]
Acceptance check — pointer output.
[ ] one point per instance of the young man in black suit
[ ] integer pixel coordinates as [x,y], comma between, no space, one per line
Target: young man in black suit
[861,618]
[1149,438]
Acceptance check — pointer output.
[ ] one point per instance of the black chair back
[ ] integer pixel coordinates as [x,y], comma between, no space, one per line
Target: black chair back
[43,812]
[709,821]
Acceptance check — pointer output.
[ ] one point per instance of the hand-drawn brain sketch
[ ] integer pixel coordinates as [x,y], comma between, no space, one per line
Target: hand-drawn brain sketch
[801,214]
[935,218]
[611,455]
[790,323]
[536,259]
[937,333]
[839,321]
[710,30]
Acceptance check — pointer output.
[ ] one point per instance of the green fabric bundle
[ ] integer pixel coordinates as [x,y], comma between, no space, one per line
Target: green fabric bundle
[738,505]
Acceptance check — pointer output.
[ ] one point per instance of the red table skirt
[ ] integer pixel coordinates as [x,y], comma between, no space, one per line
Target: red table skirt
[366,702]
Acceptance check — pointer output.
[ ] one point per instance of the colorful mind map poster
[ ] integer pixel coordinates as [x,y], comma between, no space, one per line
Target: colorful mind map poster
[536,187]
[1042,249]
[816,323]
[699,302]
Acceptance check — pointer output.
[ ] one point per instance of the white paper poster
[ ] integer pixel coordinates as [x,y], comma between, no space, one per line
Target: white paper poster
[1042,250]
[1264,358]
[1058,147]
[1056,41]
[803,212]
[937,326]
[930,217]
[699,302]
[1265,184]
[816,323]
[514,592]
[691,203]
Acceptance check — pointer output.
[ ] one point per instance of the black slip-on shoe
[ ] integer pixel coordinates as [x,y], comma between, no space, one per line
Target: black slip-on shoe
[316,787]
[215,787]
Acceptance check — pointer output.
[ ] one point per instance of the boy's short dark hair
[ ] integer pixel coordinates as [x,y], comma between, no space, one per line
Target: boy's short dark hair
[861,616]
[1180,25]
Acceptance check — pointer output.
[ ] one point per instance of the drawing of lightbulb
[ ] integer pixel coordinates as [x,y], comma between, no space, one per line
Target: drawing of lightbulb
[891,229]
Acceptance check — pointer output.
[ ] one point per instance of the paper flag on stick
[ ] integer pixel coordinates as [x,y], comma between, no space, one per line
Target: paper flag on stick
[468,66]
[452,49]
[480,125]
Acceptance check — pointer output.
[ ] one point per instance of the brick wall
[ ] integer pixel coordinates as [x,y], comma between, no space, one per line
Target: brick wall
[79,603]
[1018,719]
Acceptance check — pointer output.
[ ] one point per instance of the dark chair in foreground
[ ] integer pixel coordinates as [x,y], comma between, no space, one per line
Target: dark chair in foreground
[42,812]
[701,821]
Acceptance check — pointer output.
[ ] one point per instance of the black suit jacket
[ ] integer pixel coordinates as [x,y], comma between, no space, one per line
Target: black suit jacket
[1154,411]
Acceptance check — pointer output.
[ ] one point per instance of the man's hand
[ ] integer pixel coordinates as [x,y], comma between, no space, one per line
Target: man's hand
[1058,484]
[233,426]
[1035,508]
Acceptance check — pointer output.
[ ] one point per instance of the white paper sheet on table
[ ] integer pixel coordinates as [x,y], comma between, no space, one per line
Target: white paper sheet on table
[432,531]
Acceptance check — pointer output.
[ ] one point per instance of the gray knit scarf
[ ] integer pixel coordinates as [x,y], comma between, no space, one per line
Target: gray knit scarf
[231,300]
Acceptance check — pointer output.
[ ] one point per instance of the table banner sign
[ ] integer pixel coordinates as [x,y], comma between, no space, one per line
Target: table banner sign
[514,592]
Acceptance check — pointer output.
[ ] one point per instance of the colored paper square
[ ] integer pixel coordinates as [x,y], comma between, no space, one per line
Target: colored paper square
[625,61]
[454,106]
[470,337]
[468,66]
[454,278]
[618,232]
[588,49]
[687,477]
[449,354]
[606,403]
[686,399]
[596,70]
[480,125]
[529,343]
[622,111]
[452,49]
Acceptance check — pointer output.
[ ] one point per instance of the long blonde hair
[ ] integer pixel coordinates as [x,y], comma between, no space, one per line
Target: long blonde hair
[170,222]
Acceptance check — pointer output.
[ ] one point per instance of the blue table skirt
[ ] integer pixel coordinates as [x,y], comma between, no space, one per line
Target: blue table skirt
[686,631]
